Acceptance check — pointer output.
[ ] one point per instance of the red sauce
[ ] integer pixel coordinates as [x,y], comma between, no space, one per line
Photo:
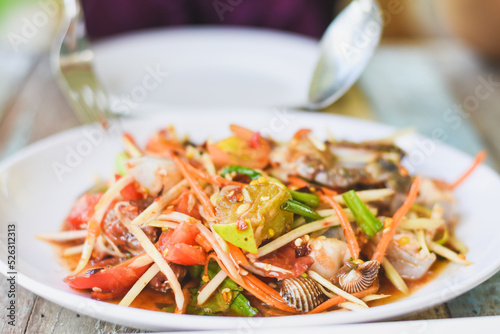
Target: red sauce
[150,299]
[387,288]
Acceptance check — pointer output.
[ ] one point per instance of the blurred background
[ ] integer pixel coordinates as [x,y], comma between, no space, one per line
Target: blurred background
[434,59]
[460,35]
[464,32]
[437,69]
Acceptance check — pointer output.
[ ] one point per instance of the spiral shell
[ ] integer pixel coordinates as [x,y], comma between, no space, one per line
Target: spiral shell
[301,293]
[358,277]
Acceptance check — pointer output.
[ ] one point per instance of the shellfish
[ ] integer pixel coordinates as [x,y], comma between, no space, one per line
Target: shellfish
[302,293]
[354,277]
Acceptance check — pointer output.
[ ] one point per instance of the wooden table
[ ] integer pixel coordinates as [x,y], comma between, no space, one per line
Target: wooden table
[405,85]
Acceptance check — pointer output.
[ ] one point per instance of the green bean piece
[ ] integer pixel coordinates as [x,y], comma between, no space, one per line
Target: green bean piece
[309,199]
[252,174]
[300,209]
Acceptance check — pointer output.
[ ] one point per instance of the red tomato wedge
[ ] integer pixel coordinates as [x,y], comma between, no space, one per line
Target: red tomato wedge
[183,206]
[180,246]
[82,210]
[129,192]
[109,279]
[285,258]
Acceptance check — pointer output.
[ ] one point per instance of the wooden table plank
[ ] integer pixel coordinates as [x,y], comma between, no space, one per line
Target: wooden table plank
[24,307]
[48,317]
[464,76]
[481,301]
[405,88]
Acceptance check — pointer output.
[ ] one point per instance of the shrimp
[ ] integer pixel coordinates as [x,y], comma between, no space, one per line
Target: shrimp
[153,174]
[329,256]
[407,257]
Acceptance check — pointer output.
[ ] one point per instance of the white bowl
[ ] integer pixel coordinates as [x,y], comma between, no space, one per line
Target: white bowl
[36,192]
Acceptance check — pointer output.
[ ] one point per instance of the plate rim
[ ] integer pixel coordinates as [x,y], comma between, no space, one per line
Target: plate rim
[203,31]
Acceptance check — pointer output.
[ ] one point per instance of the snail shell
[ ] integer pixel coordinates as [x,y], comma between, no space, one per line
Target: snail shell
[301,293]
[358,277]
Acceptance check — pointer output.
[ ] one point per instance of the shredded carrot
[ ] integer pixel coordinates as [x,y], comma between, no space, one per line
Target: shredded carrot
[213,256]
[338,299]
[480,157]
[329,192]
[352,242]
[195,186]
[203,242]
[265,293]
[259,294]
[245,285]
[388,233]
[299,183]
[264,287]
[213,179]
[257,288]
[237,255]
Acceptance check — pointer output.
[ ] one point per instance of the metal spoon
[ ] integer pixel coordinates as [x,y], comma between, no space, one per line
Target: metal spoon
[346,47]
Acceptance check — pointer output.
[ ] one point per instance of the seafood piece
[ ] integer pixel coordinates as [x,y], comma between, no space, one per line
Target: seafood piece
[160,281]
[119,234]
[406,256]
[356,275]
[433,192]
[350,153]
[340,165]
[329,255]
[302,293]
[153,174]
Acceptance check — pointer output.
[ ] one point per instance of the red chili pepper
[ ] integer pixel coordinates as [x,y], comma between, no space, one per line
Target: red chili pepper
[241,225]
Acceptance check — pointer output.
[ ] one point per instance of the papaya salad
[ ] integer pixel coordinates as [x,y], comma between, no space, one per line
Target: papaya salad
[248,226]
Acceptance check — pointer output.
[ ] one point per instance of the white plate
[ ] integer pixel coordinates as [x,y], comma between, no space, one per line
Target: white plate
[32,196]
[207,67]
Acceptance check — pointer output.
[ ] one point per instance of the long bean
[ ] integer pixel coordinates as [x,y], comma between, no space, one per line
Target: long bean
[299,208]
[309,199]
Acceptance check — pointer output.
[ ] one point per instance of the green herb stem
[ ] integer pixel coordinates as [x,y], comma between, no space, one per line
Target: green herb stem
[369,224]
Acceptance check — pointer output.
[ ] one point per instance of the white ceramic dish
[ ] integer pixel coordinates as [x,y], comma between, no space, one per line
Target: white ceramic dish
[206,66]
[36,200]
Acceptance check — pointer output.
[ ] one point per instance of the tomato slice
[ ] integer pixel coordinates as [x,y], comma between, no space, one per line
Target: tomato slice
[183,206]
[109,279]
[130,193]
[285,258]
[82,210]
[180,246]
[186,255]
